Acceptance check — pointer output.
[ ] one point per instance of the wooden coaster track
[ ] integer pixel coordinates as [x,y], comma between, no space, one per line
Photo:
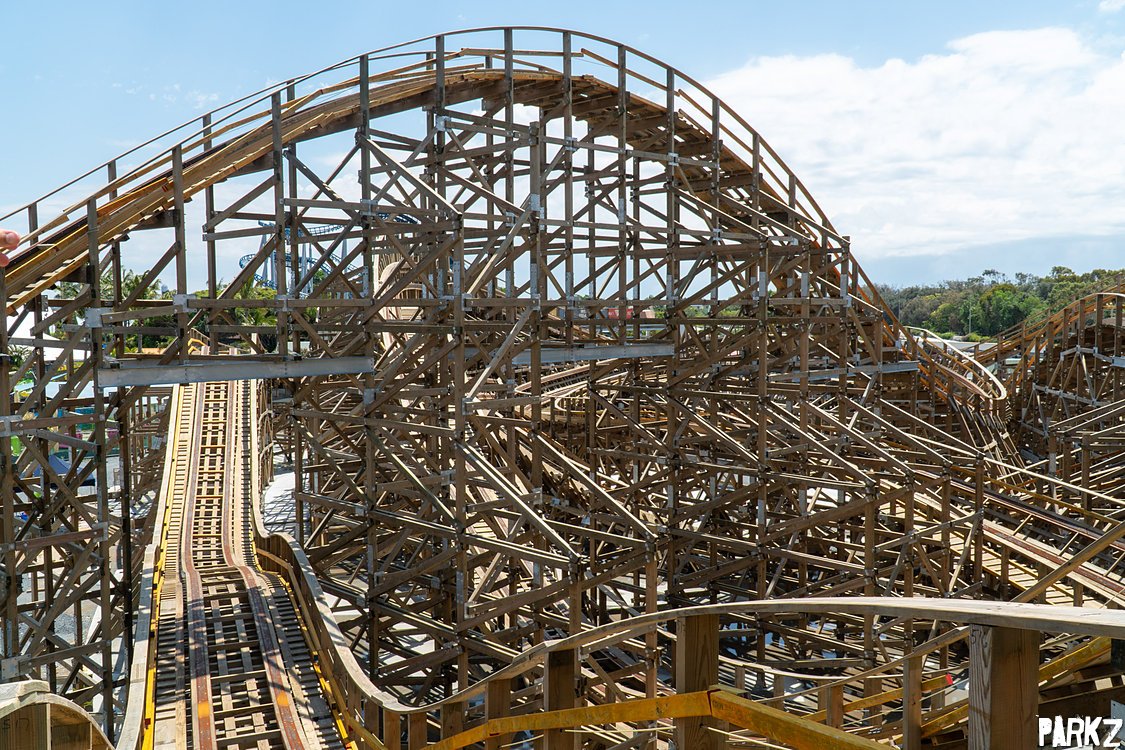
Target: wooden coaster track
[616,364]
[233,669]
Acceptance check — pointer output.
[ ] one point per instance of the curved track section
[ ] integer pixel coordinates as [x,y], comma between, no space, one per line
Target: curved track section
[232,669]
[716,174]
[1066,378]
[618,363]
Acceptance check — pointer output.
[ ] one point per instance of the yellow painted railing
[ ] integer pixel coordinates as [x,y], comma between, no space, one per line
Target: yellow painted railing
[717,703]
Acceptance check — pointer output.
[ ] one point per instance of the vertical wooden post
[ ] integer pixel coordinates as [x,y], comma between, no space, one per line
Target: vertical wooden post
[9,573]
[452,718]
[558,693]
[1084,457]
[183,317]
[833,698]
[281,224]
[1003,688]
[978,526]
[697,668]
[370,276]
[873,686]
[417,731]
[212,272]
[778,691]
[27,728]
[392,729]
[126,505]
[912,703]
[98,438]
[497,704]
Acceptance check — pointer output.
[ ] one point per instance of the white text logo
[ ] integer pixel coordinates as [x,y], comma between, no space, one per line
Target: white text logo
[1078,731]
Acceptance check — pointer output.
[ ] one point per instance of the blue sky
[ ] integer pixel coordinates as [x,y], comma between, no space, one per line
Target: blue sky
[945,137]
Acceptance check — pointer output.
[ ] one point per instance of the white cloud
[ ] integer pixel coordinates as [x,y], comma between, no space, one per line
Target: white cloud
[1009,135]
[1111,6]
[202,99]
[172,94]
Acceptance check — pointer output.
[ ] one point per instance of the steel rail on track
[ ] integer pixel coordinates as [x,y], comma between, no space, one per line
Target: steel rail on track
[222,656]
[239,134]
[210,476]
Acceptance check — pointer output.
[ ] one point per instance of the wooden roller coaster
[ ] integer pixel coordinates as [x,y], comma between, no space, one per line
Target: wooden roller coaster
[600,437]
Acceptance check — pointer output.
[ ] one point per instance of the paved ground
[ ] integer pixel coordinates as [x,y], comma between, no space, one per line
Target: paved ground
[277,500]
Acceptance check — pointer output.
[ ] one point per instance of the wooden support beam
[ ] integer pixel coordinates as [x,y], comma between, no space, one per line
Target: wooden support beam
[418,727]
[27,728]
[392,729]
[497,705]
[912,703]
[452,718]
[560,692]
[833,697]
[1003,688]
[697,668]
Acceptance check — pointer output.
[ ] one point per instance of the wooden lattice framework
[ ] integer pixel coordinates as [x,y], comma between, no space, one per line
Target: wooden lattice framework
[577,347]
[1066,377]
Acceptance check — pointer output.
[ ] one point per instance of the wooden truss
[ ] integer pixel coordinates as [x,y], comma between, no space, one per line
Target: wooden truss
[576,348]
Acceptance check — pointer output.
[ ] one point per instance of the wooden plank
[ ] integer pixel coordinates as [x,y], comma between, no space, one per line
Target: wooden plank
[697,668]
[912,703]
[418,731]
[560,692]
[392,729]
[1003,688]
[783,727]
[497,705]
[26,728]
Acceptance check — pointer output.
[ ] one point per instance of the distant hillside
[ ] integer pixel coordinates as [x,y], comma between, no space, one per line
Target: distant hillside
[984,305]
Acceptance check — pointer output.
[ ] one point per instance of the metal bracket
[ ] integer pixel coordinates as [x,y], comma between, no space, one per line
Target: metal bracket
[6,425]
[10,668]
[94,316]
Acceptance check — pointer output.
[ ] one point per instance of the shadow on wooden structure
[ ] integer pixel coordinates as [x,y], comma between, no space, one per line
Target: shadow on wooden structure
[579,348]
[33,718]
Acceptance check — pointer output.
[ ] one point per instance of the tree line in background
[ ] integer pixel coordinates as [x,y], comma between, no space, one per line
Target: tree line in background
[982,306]
[130,280]
[977,307]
